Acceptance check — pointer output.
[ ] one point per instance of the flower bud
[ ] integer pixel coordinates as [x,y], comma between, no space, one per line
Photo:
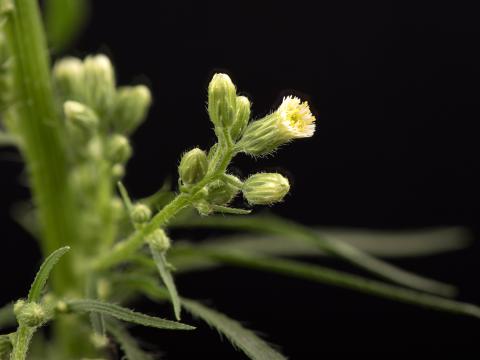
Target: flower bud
[292,120]
[221,192]
[265,188]
[241,118]
[68,78]
[81,117]
[159,240]
[131,106]
[221,100]
[99,81]
[118,149]
[193,166]
[141,214]
[118,171]
[29,314]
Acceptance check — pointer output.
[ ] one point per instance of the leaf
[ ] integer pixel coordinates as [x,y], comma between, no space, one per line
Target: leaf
[64,19]
[128,344]
[121,313]
[240,337]
[96,319]
[296,232]
[5,346]
[341,279]
[44,272]
[230,210]
[166,275]
[7,317]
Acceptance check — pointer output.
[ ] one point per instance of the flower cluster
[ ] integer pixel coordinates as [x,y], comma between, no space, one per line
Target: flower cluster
[230,115]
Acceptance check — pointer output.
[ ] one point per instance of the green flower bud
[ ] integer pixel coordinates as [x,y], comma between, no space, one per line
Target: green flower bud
[81,118]
[99,82]
[159,240]
[118,149]
[241,118]
[221,192]
[292,120]
[118,171]
[68,77]
[265,188]
[221,101]
[141,214]
[131,106]
[203,207]
[193,166]
[29,314]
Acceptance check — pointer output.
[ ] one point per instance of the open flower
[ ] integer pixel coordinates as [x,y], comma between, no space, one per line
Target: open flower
[292,120]
[296,118]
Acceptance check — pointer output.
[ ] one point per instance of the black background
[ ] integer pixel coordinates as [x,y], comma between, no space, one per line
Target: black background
[395,90]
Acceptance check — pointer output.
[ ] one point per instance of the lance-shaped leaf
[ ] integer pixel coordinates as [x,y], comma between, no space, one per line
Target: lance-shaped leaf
[121,313]
[44,272]
[341,279]
[129,345]
[167,278]
[296,232]
[240,337]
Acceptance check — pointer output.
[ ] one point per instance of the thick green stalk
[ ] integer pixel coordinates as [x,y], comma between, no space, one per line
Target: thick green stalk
[36,123]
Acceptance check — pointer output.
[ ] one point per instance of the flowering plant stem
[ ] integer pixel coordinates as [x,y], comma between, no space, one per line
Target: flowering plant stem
[124,249]
[34,120]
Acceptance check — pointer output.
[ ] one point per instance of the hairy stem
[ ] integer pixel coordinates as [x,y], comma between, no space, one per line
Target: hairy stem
[34,120]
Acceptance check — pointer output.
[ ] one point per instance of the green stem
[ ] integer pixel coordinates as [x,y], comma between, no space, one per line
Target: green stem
[22,341]
[39,128]
[123,250]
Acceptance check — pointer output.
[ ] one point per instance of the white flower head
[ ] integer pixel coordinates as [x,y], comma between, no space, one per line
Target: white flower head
[296,118]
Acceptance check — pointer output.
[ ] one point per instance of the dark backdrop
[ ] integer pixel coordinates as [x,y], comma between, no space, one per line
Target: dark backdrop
[395,91]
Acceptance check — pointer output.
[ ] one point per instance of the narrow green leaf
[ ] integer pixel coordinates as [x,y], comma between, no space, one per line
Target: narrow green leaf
[341,279]
[240,337]
[44,272]
[7,318]
[96,319]
[167,278]
[129,345]
[229,210]
[125,197]
[5,346]
[296,232]
[121,313]
[64,19]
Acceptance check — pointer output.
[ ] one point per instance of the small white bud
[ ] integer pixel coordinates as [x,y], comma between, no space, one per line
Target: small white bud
[159,240]
[221,192]
[99,84]
[118,171]
[81,117]
[265,188]
[221,101]
[241,118]
[193,166]
[131,106]
[118,149]
[68,78]
[141,214]
[29,314]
